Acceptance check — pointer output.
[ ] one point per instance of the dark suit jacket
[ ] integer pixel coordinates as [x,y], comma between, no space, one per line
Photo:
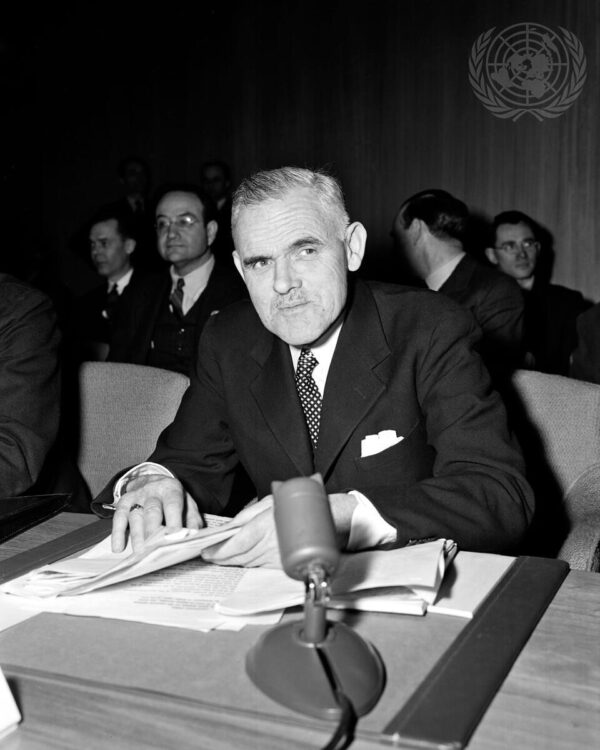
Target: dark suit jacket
[586,357]
[551,312]
[496,302]
[404,361]
[88,321]
[138,316]
[29,384]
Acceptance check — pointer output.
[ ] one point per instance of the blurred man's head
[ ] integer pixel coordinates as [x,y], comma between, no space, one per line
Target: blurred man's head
[185,228]
[516,246]
[112,243]
[135,176]
[216,180]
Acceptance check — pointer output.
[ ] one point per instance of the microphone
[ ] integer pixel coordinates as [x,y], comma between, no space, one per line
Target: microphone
[305,528]
[313,666]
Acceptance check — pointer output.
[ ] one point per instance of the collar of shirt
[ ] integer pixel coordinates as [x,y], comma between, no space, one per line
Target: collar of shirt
[323,353]
[195,282]
[121,283]
[439,277]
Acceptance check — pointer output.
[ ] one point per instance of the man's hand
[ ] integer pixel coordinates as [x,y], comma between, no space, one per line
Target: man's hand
[151,501]
[255,543]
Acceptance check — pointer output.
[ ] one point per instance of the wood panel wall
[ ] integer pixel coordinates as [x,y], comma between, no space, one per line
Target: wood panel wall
[377,91]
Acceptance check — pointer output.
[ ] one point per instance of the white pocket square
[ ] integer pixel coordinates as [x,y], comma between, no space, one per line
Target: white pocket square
[372,444]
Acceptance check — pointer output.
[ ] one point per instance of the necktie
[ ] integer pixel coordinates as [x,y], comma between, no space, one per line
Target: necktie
[310,398]
[176,298]
[111,300]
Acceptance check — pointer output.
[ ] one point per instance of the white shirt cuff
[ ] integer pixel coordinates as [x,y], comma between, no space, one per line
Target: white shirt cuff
[148,467]
[367,527]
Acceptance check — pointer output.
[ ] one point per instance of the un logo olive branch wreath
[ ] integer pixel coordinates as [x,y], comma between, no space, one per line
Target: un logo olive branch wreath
[556,107]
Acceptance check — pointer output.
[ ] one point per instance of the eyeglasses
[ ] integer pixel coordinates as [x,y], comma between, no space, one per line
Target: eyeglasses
[513,247]
[181,223]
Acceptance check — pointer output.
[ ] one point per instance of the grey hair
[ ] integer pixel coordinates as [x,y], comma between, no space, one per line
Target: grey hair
[274,183]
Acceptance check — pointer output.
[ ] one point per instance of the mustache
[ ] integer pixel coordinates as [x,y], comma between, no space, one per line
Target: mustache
[290,301]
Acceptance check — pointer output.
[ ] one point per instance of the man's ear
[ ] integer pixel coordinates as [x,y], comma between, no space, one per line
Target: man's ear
[211,231]
[129,245]
[490,254]
[355,242]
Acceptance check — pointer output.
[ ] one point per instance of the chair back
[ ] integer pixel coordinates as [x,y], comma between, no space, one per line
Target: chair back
[566,415]
[562,436]
[123,410]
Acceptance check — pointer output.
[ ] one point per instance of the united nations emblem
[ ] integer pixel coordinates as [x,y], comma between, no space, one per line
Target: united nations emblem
[527,68]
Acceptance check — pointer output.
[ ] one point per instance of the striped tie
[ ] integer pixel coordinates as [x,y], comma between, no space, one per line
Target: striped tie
[176,298]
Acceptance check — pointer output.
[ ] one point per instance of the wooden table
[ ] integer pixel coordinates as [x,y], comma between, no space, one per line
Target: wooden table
[550,699]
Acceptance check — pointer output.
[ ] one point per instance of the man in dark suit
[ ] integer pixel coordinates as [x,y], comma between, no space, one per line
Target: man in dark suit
[161,323]
[397,414]
[135,204]
[551,310]
[112,245]
[430,228]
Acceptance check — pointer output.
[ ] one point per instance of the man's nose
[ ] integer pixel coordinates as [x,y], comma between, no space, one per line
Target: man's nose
[285,278]
[521,252]
[172,229]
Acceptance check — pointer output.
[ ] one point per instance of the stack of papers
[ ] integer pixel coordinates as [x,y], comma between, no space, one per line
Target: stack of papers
[167,583]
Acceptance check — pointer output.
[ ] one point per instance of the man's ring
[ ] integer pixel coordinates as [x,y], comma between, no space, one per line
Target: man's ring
[135,506]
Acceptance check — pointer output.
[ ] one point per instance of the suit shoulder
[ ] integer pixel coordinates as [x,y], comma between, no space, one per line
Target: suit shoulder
[415,305]
[495,280]
[590,319]
[18,296]
[570,297]
[237,320]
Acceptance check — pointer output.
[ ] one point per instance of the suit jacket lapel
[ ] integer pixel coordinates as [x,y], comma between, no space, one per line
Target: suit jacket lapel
[357,376]
[275,393]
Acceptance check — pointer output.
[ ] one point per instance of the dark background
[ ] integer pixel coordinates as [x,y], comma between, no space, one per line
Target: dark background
[377,91]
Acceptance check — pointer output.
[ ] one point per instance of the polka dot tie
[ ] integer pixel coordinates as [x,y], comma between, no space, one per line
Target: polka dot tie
[310,398]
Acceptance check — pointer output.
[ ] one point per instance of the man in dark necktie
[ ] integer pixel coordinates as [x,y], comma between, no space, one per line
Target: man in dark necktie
[161,323]
[377,387]
[112,244]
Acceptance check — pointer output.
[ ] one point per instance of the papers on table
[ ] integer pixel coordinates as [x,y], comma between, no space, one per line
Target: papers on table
[167,583]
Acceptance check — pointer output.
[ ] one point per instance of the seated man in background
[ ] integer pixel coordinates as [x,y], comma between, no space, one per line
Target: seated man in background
[550,310]
[160,323]
[29,385]
[376,387]
[430,229]
[112,243]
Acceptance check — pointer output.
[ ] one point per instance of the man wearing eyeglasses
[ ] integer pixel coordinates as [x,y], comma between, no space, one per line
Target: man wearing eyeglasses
[550,310]
[161,324]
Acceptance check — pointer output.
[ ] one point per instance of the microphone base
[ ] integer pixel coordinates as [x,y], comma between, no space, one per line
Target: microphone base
[289,670]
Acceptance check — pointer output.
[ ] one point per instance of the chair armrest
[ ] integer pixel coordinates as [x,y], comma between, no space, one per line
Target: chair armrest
[581,548]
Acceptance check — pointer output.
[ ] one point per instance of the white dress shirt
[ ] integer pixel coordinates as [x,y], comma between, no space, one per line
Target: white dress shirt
[121,283]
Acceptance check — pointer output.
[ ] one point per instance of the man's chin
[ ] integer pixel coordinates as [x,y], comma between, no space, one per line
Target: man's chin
[297,335]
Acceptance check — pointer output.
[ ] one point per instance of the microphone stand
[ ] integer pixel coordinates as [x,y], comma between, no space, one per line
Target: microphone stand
[307,665]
